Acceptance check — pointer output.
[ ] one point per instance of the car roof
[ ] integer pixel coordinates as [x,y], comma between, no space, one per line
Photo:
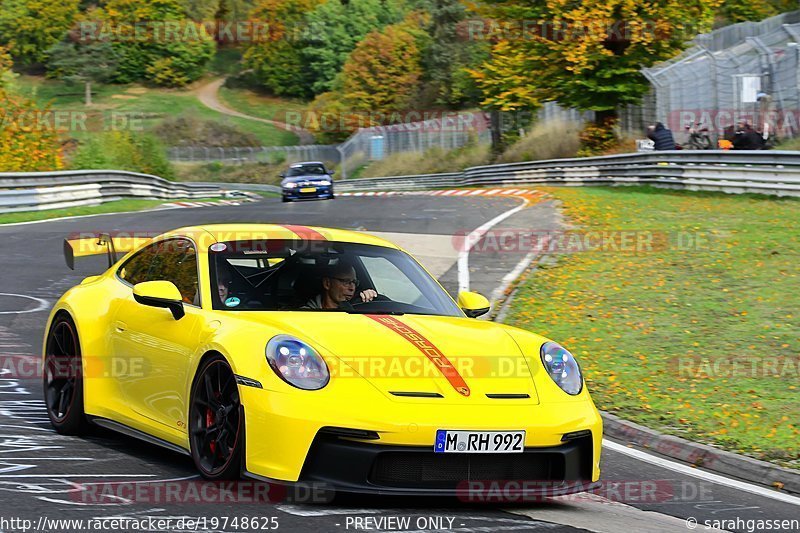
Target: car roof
[301,163]
[230,232]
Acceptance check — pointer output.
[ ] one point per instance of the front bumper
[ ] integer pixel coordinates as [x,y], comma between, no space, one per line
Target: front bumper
[288,440]
[319,192]
[345,465]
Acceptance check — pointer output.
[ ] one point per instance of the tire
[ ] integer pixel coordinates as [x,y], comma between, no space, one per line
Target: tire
[284,199]
[63,377]
[215,421]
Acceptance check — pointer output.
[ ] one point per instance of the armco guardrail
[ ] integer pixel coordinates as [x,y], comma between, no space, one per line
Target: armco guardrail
[36,191]
[763,172]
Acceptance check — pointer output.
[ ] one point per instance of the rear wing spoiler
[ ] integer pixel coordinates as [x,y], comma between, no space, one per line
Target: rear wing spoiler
[98,244]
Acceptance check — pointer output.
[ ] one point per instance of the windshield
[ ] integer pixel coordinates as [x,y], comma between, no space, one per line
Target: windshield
[306,170]
[313,276]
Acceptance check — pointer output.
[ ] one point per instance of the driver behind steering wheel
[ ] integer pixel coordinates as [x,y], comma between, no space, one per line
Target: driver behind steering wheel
[338,287]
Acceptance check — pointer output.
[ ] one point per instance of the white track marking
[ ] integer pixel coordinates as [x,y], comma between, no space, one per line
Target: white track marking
[43,304]
[701,474]
[598,514]
[509,278]
[473,238]
[437,253]
[75,475]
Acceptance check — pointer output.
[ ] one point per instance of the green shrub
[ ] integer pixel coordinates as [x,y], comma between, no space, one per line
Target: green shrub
[546,140]
[123,150]
[431,161]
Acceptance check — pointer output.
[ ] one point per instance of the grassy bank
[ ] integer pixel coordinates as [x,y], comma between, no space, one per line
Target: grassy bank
[263,106]
[697,335]
[137,108]
[118,206]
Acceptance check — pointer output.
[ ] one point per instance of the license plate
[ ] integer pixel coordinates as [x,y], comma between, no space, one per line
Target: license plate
[308,189]
[479,441]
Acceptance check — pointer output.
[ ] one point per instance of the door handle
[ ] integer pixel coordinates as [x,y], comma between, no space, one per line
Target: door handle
[120,326]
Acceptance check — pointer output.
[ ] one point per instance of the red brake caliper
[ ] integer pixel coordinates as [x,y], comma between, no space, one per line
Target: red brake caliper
[209,423]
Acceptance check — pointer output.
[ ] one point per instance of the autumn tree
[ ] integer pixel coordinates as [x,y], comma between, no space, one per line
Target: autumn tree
[27,142]
[586,55]
[334,29]
[384,70]
[6,74]
[153,41]
[30,27]
[201,10]
[450,54]
[733,11]
[277,61]
[381,75]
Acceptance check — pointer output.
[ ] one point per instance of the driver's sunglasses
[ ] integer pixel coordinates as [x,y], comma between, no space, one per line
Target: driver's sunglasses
[348,281]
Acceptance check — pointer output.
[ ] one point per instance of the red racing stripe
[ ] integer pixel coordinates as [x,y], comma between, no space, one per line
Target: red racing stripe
[305,233]
[426,347]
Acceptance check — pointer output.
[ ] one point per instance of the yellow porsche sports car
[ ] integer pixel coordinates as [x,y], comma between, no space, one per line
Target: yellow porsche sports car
[310,355]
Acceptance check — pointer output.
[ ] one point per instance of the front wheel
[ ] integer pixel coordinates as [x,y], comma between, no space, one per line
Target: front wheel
[215,421]
[63,382]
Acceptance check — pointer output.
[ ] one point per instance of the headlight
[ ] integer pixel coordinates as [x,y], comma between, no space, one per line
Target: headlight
[562,368]
[297,363]
[290,185]
[323,183]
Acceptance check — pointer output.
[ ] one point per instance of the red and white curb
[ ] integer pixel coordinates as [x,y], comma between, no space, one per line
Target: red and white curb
[451,192]
[206,204]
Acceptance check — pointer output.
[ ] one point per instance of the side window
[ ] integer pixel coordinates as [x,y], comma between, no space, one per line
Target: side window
[135,270]
[176,261]
[392,282]
[172,260]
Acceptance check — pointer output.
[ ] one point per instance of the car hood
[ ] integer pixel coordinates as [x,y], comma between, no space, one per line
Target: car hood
[414,358]
[312,177]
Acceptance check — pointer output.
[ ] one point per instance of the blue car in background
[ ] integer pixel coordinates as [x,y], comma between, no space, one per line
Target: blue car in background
[307,181]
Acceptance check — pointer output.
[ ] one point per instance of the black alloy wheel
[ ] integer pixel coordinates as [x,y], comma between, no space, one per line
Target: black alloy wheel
[215,421]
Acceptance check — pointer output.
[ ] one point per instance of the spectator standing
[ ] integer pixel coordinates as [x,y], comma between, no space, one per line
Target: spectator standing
[661,137]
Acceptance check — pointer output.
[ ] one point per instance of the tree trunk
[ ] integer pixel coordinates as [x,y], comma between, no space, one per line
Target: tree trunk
[601,117]
[88,93]
[496,124]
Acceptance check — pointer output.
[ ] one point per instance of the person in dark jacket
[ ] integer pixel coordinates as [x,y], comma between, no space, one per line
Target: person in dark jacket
[746,138]
[661,137]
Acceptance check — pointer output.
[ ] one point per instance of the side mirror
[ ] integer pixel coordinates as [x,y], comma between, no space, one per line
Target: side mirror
[162,294]
[473,304]
[282,175]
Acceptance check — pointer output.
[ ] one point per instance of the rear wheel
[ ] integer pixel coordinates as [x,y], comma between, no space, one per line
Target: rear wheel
[215,425]
[63,382]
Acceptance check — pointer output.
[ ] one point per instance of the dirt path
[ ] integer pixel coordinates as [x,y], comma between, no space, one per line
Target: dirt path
[208,95]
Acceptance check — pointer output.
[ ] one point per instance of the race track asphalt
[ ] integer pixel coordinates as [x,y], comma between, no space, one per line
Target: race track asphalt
[43,474]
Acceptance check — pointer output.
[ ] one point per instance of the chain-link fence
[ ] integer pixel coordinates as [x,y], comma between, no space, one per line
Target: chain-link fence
[448,132]
[551,111]
[274,155]
[748,71]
